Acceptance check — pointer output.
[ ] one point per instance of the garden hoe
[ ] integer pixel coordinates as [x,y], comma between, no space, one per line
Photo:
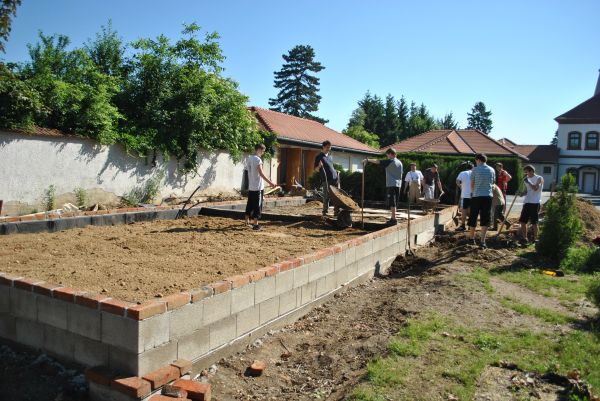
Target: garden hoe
[183,211]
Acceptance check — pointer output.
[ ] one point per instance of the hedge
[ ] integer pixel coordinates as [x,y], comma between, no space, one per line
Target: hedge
[449,167]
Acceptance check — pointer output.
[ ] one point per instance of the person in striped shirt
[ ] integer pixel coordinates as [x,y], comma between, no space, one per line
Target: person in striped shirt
[483,178]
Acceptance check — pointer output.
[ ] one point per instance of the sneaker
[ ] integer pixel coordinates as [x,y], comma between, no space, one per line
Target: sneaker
[325,213]
[483,245]
[474,242]
[256,227]
[461,228]
[391,222]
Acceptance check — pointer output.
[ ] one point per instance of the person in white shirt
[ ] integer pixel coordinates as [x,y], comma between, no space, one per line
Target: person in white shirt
[413,179]
[464,182]
[533,199]
[256,186]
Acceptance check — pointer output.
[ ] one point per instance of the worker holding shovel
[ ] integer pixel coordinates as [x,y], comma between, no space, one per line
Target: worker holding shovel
[533,199]
[324,163]
[393,180]
[256,186]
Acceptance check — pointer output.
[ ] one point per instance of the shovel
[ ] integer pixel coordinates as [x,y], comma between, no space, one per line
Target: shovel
[409,251]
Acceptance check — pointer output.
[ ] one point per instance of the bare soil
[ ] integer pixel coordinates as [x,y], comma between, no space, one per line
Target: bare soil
[144,260]
[590,216]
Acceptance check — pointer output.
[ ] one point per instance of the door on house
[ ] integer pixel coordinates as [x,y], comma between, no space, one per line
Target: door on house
[589,181]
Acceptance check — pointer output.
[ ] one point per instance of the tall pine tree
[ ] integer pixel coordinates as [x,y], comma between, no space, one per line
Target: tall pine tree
[480,118]
[403,118]
[448,122]
[391,123]
[374,113]
[298,88]
[8,9]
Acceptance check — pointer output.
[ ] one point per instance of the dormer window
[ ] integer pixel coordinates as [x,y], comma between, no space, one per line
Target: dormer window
[575,141]
[591,141]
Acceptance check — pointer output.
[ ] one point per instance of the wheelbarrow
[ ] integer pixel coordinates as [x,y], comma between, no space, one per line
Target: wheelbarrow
[344,202]
[429,204]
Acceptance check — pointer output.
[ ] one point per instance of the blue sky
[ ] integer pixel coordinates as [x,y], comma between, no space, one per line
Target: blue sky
[528,61]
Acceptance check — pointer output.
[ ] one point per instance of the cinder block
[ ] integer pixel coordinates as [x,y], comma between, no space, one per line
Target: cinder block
[308,293]
[222,332]
[139,364]
[242,298]
[284,282]
[269,310]
[341,277]
[59,342]
[321,268]
[120,332]
[153,332]
[84,321]
[90,352]
[339,260]
[4,299]
[185,320]
[425,236]
[300,276]
[8,326]
[350,255]
[287,301]
[194,344]
[23,304]
[352,271]
[378,244]
[265,289]
[247,320]
[217,307]
[365,264]
[364,250]
[331,282]
[30,333]
[52,312]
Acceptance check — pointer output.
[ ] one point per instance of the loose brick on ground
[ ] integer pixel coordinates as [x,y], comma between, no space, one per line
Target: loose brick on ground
[196,391]
[174,391]
[160,397]
[162,376]
[183,365]
[100,374]
[132,386]
[257,368]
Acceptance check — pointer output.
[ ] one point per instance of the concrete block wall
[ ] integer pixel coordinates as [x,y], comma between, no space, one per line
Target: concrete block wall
[137,339]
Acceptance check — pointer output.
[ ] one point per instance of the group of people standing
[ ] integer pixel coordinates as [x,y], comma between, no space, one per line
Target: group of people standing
[482,190]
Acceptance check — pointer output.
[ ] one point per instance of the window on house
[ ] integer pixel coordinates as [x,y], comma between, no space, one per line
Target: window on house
[574,140]
[547,170]
[591,141]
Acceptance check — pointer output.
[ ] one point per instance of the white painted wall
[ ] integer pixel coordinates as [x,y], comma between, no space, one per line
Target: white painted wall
[563,137]
[29,164]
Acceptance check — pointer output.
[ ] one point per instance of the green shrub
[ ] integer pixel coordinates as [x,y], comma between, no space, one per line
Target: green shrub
[144,193]
[49,198]
[582,259]
[562,225]
[593,292]
[81,197]
[449,167]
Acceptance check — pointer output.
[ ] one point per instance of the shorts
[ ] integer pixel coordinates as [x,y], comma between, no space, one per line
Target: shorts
[481,206]
[429,191]
[530,213]
[465,203]
[392,197]
[254,204]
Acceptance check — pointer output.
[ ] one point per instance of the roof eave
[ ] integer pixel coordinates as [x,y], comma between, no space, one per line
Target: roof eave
[286,140]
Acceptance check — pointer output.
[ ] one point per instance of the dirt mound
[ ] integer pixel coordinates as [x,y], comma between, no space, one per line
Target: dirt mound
[590,216]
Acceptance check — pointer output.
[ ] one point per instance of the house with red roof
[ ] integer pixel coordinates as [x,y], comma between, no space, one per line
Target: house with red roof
[300,142]
[579,140]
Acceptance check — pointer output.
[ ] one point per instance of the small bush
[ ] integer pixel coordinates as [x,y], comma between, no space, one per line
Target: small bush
[49,198]
[581,259]
[145,193]
[81,197]
[593,292]
[562,226]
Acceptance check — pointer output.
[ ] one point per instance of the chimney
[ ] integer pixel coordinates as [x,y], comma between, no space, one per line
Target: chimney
[597,91]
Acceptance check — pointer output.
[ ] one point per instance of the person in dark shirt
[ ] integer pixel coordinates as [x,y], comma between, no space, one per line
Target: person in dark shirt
[324,164]
[431,181]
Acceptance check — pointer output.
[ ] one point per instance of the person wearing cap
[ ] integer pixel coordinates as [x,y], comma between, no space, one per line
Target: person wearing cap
[393,180]
[431,181]
[482,181]
[413,179]
[463,181]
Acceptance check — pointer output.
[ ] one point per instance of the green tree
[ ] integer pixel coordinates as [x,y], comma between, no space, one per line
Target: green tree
[562,225]
[20,104]
[107,51]
[420,120]
[298,88]
[391,123]
[357,131]
[374,109]
[554,140]
[480,118]
[448,122]
[8,10]
[403,116]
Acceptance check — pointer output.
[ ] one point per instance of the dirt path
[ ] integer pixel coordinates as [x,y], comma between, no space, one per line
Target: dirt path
[141,260]
[331,346]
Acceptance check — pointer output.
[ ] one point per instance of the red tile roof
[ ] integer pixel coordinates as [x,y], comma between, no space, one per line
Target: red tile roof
[507,142]
[302,130]
[587,112]
[38,131]
[539,153]
[455,142]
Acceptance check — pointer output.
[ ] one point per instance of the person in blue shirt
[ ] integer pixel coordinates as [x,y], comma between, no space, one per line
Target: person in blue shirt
[483,178]
[324,163]
[393,180]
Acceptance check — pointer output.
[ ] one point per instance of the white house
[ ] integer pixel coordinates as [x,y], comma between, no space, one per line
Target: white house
[578,141]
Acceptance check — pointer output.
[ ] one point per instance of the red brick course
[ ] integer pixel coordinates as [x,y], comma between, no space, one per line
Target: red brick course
[220,286]
[146,310]
[45,288]
[66,294]
[26,284]
[90,300]
[175,301]
[255,275]
[199,294]
[115,306]
[270,270]
[238,281]
[8,279]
